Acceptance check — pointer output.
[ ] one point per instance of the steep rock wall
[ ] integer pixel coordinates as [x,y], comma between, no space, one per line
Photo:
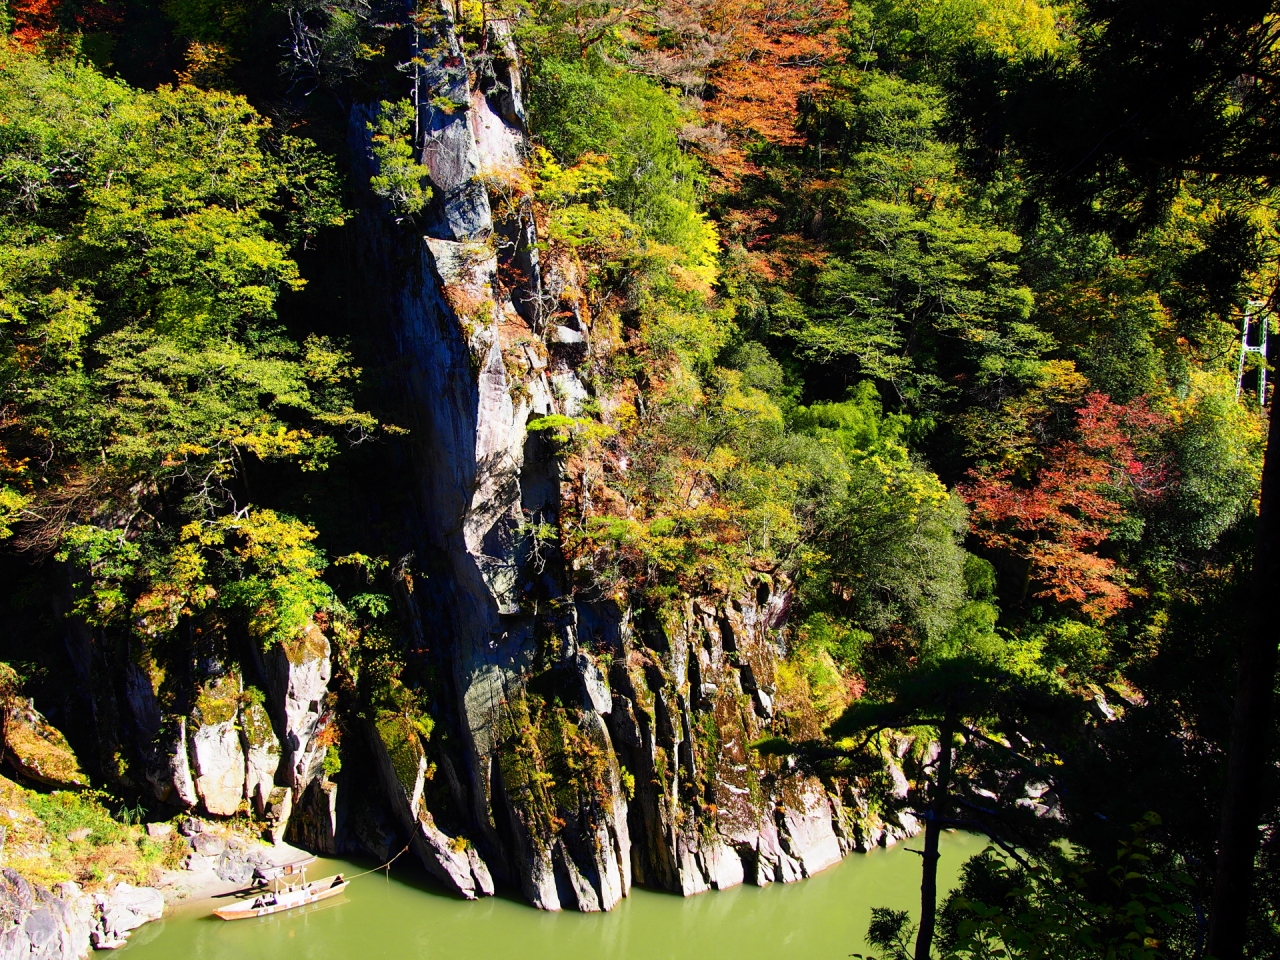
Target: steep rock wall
[580,747]
[598,745]
[462,297]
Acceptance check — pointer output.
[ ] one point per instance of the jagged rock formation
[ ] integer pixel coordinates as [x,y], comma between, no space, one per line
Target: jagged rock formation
[402,764]
[39,923]
[63,925]
[238,747]
[588,742]
[688,699]
[297,674]
[123,910]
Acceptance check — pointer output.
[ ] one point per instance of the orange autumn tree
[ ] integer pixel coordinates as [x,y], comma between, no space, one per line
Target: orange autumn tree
[1057,516]
[33,23]
[32,20]
[774,53]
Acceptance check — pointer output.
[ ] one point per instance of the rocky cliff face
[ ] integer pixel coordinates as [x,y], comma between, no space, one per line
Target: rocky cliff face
[592,747]
[573,746]
[236,747]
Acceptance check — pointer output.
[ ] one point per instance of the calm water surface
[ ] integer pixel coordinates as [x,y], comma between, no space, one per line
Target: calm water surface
[409,919]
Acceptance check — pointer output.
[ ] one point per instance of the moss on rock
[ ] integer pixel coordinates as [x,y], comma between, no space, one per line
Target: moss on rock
[32,745]
[256,725]
[400,737]
[308,646]
[218,701]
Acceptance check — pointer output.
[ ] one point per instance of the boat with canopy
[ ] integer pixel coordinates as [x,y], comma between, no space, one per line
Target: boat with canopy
[282,887]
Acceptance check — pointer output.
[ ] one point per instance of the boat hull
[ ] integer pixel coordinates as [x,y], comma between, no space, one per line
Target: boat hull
[315,892]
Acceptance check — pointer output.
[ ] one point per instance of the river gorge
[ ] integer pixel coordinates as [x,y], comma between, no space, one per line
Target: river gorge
[620,467]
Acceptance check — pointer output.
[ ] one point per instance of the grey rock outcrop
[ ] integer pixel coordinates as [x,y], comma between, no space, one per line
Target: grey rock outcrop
[179,781]
[237,863]
[473,373]
[298,674]
[122,911]
[649,756]
[261,754]
[63,925]
[314,823]
[688,699]
[234,749]
[35,922]
[402,768]
[220,767]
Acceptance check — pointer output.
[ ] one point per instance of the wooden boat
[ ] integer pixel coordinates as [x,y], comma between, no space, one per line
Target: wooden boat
[284,897]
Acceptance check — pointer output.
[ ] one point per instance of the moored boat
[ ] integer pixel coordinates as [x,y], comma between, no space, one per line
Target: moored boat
[277,899]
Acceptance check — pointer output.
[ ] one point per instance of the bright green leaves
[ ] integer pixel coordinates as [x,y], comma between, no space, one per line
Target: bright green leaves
[197,407]
[856,424]
[126,206]
[887,533]
[607,113]
[144,240]
[930,34]
[578,215]
[400,179]
[12,508]
[138,257]
[892,548]
[1218,445]
[914,267]
[55,116]
[885,127]
[570,432]
[269,570]
[257,566]
[177,198]
[109,561]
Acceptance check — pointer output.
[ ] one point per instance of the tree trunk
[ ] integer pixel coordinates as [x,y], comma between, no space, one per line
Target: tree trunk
[932,831]
[1250,726]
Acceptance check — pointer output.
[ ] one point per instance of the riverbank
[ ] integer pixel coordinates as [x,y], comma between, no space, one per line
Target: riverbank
[76,876]
[84,879]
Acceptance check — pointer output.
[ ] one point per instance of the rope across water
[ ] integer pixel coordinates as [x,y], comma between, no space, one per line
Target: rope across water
[386,866]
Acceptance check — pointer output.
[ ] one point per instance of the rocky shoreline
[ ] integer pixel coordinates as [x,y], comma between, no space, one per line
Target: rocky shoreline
[67,923]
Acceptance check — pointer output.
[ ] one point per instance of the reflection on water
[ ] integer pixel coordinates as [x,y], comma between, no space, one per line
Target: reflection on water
[407,918]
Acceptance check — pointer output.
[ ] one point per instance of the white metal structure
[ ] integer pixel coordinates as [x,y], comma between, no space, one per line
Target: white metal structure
[1254,315]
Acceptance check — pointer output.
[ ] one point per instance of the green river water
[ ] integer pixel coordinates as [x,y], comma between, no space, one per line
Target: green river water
[408,918]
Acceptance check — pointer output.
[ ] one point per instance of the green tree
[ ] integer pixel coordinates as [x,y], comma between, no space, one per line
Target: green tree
[1153,96]
[993,707]
[918,271]
[146,237]
[584,108]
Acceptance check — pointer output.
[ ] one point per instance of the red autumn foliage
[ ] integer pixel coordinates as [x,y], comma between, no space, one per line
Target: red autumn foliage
[1059,516]
[33,20]
[37,21]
